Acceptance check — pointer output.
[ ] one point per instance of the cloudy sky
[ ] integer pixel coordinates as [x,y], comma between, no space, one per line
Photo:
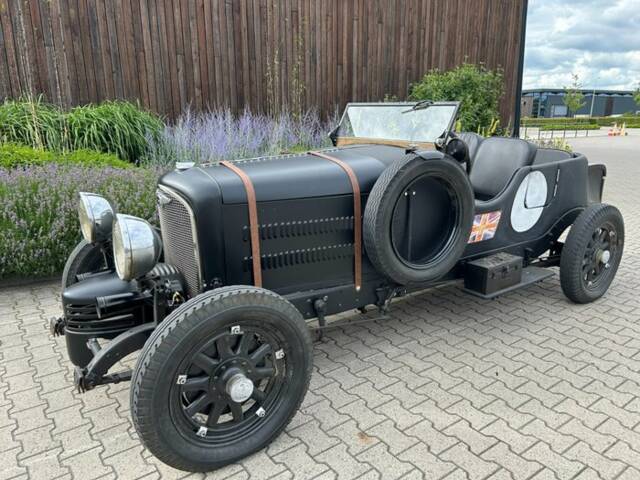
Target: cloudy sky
[599,40]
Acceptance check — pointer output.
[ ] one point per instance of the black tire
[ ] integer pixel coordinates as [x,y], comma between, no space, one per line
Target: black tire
[584,275]
[159,405]
[386,196]
[85,258]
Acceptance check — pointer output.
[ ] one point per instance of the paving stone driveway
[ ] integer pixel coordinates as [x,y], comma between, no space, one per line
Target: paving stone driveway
[526,386]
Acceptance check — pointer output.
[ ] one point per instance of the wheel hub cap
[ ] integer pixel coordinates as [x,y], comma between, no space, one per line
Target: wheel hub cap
[239,388]
[604,256]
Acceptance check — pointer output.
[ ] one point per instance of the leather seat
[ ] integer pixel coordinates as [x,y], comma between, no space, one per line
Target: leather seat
[495,162]
[473,141]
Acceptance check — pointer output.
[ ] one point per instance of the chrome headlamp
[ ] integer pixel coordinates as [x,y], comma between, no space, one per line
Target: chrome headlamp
[136,246]
[96,217]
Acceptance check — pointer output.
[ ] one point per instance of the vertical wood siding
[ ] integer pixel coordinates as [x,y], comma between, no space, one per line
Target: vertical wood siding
[170,54]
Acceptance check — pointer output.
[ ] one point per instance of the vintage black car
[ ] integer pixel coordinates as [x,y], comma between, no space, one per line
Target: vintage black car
[219,299]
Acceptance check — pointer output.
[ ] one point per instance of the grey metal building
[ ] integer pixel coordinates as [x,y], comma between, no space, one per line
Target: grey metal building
[549,103]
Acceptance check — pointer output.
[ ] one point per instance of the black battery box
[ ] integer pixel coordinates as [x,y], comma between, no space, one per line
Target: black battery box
[491,274]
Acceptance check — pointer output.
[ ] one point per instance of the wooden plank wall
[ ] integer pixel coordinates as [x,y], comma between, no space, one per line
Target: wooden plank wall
[170,54]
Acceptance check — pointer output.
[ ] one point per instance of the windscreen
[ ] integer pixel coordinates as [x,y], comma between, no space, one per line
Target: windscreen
[397,121]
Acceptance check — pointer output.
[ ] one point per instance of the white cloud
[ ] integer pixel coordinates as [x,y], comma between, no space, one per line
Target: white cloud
[597,39]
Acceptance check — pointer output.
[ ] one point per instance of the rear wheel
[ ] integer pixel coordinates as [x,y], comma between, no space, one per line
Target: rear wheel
[221,377]
[592,253]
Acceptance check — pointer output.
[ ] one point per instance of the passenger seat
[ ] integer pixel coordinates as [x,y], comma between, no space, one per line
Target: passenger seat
[495,162]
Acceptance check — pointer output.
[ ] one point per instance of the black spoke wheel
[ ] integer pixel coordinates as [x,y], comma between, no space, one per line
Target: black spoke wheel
[220,377]
[592,253]
[229,382]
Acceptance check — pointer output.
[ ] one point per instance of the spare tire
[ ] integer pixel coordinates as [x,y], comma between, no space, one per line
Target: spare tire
[418,219]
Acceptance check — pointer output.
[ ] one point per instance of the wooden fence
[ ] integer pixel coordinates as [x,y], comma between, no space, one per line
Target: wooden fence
[170,54]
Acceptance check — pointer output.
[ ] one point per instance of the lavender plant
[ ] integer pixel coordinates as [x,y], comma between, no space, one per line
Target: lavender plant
[38,216]
[219,135]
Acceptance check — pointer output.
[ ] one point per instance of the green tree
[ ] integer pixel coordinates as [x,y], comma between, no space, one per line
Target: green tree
[573,98]
[636,95]
[477,88]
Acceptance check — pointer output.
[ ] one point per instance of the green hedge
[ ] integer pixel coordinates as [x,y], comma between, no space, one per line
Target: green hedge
[602,121]
[565,126]
[540,122]
[120,128]
[13,155]
[609,121]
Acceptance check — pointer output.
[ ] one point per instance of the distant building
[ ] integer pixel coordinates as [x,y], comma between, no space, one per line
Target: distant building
[549,103]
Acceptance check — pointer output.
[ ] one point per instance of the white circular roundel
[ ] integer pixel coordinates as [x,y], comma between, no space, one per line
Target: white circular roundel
[529,202]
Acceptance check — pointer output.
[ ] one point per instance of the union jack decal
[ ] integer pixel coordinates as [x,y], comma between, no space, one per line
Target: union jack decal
[484,226]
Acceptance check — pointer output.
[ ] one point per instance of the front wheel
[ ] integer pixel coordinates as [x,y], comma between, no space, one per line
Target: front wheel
[221,377]
[592,253]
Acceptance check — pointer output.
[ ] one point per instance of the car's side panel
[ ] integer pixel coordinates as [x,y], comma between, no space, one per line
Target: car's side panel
[566,192]
[305,244]
[597,174]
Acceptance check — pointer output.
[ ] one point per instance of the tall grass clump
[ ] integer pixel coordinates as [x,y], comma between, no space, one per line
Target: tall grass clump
[33,122]
[116,127]
[219,135]
[38,211]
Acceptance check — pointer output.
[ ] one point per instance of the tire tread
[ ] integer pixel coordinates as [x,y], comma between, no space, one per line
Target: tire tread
[573,251]
[156,351]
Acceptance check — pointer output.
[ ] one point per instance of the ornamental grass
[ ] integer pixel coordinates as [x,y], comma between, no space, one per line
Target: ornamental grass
[116,127]
[221,135]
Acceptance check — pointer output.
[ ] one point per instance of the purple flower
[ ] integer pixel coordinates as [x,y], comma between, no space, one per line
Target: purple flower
[38,211]
[219,134]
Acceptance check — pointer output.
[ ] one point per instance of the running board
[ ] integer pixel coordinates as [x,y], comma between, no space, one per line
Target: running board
[530,275]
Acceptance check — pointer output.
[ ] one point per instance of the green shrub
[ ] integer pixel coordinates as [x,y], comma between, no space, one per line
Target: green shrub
[476,87]
[539,122]
[13,155]
[120,128]
[93,158]
[630,120]
[569,126]
[31,121]
[38,211]
[117,127]
[609,121]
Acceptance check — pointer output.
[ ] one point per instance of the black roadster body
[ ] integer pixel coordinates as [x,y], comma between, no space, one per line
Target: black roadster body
[246,252]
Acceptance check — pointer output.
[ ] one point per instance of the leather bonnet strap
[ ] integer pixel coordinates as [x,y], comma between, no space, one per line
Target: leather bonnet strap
[357,215]
[253,220]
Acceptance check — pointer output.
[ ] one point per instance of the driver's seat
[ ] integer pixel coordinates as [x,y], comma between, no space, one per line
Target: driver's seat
[495,162]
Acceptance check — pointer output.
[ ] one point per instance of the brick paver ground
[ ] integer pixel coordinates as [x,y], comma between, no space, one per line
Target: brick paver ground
[525,386]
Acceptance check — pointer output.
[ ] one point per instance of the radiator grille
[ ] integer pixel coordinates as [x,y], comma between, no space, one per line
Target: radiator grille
[180,247]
